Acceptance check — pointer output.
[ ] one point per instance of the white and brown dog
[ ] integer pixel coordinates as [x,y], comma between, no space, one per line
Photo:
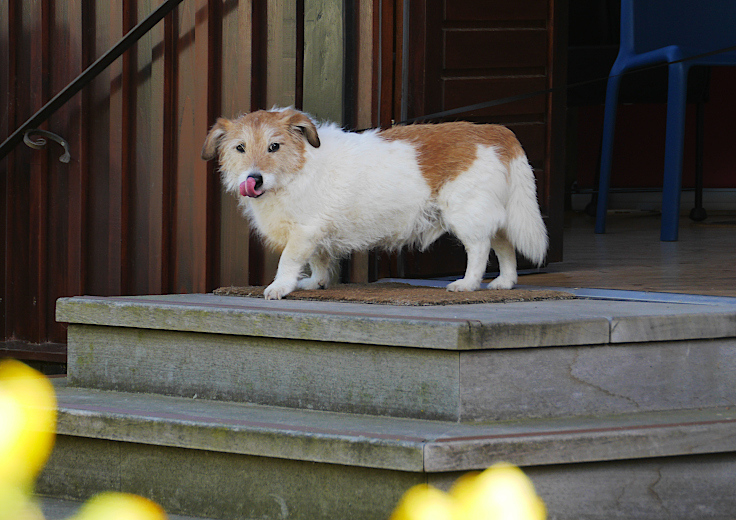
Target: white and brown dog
[316,193]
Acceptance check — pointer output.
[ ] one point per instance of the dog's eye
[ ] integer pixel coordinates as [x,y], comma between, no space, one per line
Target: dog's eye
[273,147]
[240,148]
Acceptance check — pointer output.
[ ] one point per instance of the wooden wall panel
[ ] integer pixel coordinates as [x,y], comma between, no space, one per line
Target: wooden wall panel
[64,204]
[68,186]
[364,112]
[460,92]
[236,99]
[68,228]
[515,49]
[7,121]
[136,211]
[27,192]
[121,150]
[553,191]
[193,236]
[189,233]
[323,59]
[384,34]
[101,276]
[482,10]
[147,169]
[281,53]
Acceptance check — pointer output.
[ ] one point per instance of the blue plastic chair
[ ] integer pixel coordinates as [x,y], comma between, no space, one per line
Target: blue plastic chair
[665,31]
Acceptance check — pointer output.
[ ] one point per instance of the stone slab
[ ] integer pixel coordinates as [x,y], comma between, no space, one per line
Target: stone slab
[227,460]
[388,443]
[222,485]
[453,327]
[60,509]
[668,488]
[357,440]
[435,384]
[321,375]
[671,327]
[285,319]
[598,379]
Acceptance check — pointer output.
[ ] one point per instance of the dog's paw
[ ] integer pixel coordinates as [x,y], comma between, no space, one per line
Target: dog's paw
[463,285]
[311,283]
[278,290]
[502,283]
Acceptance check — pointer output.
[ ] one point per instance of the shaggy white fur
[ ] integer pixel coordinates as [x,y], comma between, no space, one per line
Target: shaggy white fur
[317,193]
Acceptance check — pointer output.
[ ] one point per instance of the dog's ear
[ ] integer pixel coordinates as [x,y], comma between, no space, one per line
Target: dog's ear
[212,142]
[301,122]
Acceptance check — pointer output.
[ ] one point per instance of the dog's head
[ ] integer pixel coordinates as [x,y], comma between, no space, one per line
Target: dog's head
[258,152]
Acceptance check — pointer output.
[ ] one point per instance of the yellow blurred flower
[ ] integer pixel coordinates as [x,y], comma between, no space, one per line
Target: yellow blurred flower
[28,412]
[424,502]
[502,492]
[27,432]
[15,504]
[119,506]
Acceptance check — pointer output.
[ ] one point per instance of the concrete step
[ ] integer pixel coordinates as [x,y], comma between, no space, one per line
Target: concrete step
[486,362]
[234,460]
[60,509]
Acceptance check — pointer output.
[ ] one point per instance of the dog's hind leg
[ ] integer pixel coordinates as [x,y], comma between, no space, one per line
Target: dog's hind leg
[506,263]
[320,277]
[477,251]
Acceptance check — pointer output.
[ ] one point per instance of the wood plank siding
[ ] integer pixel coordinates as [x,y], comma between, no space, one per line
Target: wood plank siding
[136,211]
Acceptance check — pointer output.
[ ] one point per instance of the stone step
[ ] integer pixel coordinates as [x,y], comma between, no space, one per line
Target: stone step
[466,363]
[234,460]
[60,509]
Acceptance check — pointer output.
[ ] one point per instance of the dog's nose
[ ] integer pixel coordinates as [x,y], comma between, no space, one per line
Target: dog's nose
[258,178]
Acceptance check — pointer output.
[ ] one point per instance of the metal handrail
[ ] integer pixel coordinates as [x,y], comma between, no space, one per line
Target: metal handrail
[88,75]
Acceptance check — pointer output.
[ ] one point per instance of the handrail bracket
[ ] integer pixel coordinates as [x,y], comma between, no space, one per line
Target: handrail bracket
[41,142]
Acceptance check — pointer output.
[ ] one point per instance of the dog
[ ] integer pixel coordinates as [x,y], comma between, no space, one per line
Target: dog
[317,192]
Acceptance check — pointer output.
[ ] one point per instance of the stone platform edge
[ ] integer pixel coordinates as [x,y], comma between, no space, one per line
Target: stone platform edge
[457,327]
[388,443]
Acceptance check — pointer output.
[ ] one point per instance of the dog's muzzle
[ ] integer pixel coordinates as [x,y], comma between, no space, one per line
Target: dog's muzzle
[251,187]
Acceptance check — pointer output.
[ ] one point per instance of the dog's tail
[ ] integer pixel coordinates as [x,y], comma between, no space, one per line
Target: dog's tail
[525,228]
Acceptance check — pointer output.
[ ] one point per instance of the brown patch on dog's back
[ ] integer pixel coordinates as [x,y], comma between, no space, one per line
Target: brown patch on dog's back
[446,150]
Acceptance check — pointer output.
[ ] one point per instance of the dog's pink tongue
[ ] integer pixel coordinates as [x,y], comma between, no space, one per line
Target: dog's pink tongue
[248,188]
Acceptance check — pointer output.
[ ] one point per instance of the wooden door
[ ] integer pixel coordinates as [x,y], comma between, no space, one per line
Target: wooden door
[461,52]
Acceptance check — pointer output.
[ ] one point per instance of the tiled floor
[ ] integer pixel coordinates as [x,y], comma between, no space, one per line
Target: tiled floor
[630,256]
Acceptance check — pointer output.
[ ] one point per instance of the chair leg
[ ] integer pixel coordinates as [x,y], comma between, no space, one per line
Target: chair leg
[698,213]
[674,141]
[609,127]
[591,207]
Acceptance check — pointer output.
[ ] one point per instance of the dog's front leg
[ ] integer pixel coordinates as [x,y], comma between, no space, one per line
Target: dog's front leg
[298,250]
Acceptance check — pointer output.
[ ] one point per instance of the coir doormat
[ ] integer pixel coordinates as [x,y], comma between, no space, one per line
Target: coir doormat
[403,294]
